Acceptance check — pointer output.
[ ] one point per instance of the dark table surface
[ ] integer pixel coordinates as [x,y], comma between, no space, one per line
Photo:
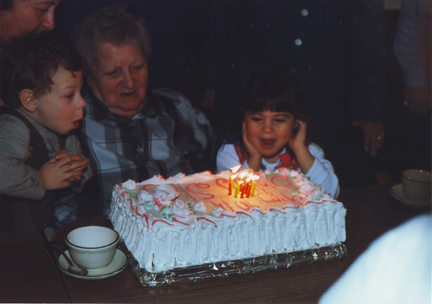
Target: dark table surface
[371,211]
[27,272]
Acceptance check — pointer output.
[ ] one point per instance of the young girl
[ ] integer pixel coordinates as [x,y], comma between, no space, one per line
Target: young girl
[275,133]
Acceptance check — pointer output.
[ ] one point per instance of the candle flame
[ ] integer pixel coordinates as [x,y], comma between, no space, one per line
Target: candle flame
[235,169]
[243,174]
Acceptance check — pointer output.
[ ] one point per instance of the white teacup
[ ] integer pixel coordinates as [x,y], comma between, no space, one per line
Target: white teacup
[92,247]
[416,184]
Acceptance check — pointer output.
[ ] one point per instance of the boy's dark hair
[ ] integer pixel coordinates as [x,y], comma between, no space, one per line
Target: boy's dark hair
[31,62]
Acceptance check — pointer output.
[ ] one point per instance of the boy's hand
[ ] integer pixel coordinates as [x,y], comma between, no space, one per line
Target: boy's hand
[56,174]
[73,158]
[60,171]
[255,157]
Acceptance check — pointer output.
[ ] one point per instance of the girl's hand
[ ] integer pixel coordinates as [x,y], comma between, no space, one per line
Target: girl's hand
[301,151]
[255,157]
[299,141]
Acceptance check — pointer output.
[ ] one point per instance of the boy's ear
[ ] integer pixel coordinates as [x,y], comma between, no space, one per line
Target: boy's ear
[28,100]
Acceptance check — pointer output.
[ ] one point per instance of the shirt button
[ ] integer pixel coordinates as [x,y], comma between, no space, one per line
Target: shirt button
[298,42]
[304,12]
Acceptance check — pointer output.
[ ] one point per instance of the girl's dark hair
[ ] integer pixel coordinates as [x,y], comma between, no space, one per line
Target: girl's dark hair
[274,89]
[31,62]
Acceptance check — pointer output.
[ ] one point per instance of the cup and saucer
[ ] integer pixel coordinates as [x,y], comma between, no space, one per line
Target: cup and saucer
[92,254]
[398,193]
[415,190]
[117,265]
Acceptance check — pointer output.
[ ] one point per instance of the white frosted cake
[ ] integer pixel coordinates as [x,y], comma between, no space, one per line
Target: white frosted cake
[204,218]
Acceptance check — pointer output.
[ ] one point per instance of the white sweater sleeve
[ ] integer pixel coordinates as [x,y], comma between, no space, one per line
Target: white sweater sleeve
[227,158]
[322,172]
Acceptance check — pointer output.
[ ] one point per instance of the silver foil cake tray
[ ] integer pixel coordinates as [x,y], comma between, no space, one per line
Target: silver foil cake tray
[234,267]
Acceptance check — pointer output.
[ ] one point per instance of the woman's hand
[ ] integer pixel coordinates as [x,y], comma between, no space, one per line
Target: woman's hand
[297,144]
[255,158]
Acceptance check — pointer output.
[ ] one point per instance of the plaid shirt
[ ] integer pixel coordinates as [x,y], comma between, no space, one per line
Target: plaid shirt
[167,137]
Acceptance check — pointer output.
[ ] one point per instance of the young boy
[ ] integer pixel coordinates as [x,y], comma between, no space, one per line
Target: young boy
[41,82]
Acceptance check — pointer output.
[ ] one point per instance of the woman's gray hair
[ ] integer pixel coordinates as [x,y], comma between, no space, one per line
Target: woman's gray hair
[109,25]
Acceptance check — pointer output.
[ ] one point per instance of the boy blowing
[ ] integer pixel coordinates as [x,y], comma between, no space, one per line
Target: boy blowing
[40,158]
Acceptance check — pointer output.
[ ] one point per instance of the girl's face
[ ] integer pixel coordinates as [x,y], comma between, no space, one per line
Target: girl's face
[269,132]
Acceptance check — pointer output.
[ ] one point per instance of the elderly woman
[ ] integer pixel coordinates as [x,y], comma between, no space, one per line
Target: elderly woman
[130,131]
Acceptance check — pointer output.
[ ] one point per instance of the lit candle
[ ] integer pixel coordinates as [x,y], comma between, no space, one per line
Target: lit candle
[241,188]
[236,189]
[230,182]
[248,186]
[253,185]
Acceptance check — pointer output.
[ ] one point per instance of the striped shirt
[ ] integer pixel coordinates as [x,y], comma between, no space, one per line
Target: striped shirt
[167,137]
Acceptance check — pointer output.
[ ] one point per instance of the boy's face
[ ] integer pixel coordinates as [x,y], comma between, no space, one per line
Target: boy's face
[61,110]
[269,132]
[27,17]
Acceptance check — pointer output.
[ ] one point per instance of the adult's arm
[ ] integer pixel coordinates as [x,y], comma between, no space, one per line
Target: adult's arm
[412,49]
[364,31]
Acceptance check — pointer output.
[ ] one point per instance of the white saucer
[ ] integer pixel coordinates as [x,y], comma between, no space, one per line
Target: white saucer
[397,192]
[116,266]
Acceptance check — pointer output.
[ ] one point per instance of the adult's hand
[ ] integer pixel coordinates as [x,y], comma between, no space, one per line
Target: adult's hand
[418,99]
[373,134]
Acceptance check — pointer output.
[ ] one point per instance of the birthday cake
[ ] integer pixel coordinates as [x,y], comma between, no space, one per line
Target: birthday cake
[204,218]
